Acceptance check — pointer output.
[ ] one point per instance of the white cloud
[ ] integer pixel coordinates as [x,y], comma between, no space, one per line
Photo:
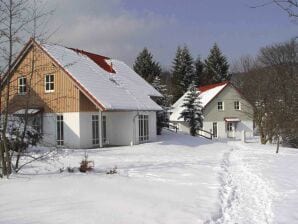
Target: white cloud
[105,27]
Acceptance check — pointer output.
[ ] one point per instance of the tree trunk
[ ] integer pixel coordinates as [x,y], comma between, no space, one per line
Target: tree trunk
[3,162]
[277,146]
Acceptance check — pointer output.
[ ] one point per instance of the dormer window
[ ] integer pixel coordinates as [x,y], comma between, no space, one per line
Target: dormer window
[22,88]
[49,83]
[220,106]
[237,105]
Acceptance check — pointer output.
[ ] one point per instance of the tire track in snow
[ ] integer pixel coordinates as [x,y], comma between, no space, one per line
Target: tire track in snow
[244,196]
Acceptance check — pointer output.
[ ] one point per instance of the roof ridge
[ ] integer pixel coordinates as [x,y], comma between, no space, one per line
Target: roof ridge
[211,86]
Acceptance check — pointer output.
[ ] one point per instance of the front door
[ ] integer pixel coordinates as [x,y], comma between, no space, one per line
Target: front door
[231,129]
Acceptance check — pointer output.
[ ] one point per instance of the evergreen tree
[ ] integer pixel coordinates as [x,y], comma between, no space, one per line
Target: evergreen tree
[198,75]
[183,71]
[192,113]
[164,102]
[145,66]
[216,67]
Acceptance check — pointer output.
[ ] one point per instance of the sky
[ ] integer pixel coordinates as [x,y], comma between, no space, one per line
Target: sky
[122,28]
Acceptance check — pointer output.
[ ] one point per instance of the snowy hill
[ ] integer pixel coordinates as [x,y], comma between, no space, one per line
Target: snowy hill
[178,179]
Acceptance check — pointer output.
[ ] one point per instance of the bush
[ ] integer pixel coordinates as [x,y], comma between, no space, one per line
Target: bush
[86,165]
[112,171]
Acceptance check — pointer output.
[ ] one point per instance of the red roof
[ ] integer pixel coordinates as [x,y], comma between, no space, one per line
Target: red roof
[98,59]
[211,86]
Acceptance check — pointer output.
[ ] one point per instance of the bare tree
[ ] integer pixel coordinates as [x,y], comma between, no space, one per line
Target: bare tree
[271,87]
[12,23]
[289,6]
[20,19]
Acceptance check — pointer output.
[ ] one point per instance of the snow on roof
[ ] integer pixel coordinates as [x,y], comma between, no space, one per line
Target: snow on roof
[207,93]
[120,89]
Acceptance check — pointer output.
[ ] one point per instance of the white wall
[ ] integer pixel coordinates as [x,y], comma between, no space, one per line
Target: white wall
[85,122]
[122,128]
[247,126]
[71,129]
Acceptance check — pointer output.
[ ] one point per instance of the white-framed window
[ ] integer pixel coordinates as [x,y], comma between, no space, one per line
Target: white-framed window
[237,105]
[143,128]
[220,105]
[49,83]
[95,131]
[104,129]
[60,130]
[22,85]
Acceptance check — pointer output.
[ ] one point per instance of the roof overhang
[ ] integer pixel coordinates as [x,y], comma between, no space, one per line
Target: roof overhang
[232,119]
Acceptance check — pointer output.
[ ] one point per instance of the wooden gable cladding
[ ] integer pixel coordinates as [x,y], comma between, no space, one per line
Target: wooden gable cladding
[66,96]
[86,105]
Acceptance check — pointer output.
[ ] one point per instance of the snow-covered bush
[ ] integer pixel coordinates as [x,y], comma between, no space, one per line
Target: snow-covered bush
[20,136]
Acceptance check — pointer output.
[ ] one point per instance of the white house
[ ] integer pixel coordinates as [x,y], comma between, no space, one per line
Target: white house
[226,113]
[82,100]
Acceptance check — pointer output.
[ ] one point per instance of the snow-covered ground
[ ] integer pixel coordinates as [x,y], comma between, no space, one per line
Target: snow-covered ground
[178,179]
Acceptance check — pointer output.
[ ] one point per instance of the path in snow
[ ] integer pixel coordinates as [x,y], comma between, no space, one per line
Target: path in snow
[245,197]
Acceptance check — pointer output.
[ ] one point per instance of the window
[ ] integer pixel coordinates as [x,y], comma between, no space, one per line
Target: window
[104,129]
[60,131]
[220,106]
[95,132]
[37,123]
[214,129]
[237,105]
[229,126]
[143,128]
[49,83]
[22,89]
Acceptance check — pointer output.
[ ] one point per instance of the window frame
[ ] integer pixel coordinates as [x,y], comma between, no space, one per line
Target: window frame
[104,129]
[22,85]
[229,126]
[143,128]
[95,129]
[37,123]
[60,130]
[222,106]
[237,102]
[49,83]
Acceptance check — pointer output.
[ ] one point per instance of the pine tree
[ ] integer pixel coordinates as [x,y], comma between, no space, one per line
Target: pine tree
[192,113]
[164,102]
[145,66]
[183,71]
[216,67]
[198,74]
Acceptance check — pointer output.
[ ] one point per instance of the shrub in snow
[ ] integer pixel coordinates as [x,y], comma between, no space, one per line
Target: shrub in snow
[70,169]
[20,138]
[112,171]
[86,165]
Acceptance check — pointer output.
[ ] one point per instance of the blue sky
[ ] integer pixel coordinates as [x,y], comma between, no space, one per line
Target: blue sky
[121,28]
